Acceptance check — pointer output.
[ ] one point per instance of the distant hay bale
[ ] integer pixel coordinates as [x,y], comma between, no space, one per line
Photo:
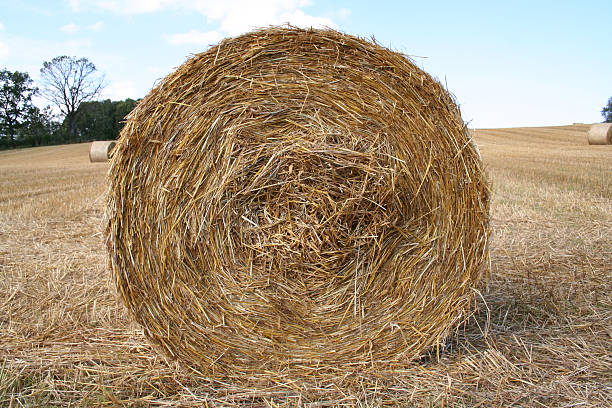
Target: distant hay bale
[297,200]
[99,151]
[600,134]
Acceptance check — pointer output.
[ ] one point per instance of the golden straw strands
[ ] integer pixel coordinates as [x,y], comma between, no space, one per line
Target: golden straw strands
[297,200]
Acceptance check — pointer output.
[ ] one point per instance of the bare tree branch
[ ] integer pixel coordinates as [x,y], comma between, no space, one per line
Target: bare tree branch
[67,82]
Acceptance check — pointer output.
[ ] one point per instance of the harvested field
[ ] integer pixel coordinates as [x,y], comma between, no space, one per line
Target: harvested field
[541,336]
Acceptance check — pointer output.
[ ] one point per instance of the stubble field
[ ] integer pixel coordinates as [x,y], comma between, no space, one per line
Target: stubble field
[541,335]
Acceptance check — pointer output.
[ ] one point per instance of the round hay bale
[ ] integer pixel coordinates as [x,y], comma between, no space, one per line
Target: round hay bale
[99,151]
[600,134]
[297,200]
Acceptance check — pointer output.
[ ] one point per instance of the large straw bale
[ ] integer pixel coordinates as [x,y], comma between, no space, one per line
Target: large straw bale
[297,200]
[600,134]
[99,151]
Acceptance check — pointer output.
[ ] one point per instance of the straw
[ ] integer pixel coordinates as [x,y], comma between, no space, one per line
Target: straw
[600,134]
[298,200]
[99,151]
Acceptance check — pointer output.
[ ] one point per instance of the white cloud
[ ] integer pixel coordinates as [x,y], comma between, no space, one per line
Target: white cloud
[343,13]
[45,49]
[156,70]
[120,89]
[195,37]
[238,16]
[75,5]
[4,50]
[70,28]
[301,19]
[80,46]
[136,6]
[96,26]
[233,16]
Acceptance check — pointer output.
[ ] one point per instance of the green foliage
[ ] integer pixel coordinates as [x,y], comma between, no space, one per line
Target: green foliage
[101,120]
[39,128]
[606,112]
[98,120]
[16,91]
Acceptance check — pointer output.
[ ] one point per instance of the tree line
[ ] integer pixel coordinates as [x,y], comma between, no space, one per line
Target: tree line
[71,86]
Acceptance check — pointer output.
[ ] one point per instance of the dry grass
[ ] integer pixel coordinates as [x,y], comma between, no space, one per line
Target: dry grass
[542,336]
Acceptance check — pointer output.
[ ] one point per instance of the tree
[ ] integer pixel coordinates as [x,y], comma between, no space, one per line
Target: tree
[95,120]
[606,112]
[67,82]
[39,127]
[16,91]
[102,120]
[122,109]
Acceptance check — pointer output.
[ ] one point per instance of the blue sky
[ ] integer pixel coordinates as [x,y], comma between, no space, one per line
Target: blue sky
[508,63]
